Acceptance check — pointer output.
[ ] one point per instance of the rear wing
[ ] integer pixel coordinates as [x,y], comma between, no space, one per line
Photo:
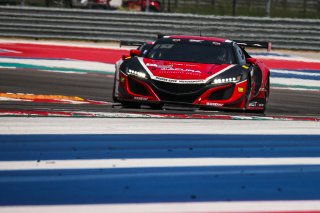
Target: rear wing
[266,45]
[131,43]
[139,43]
[143,47]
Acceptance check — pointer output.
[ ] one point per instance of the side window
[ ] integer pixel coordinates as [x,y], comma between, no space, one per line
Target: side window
[241,57]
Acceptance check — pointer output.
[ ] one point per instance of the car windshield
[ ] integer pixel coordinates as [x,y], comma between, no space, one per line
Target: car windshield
[196,51]
[144,48]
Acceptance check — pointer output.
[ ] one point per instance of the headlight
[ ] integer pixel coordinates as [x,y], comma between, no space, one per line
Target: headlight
[137,73]
[226,80]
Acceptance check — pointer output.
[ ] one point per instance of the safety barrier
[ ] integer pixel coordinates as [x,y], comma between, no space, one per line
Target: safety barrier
[100,25]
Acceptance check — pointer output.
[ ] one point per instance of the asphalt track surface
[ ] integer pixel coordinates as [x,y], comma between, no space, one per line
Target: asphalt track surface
[98,87]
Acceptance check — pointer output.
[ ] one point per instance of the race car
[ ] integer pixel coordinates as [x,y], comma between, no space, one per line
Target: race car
[202,72]
[143,5]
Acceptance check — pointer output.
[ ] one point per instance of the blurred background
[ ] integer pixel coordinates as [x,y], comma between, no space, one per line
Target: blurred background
[258,8]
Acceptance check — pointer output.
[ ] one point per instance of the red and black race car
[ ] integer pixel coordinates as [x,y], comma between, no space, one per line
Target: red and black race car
[204,72]
[143,5]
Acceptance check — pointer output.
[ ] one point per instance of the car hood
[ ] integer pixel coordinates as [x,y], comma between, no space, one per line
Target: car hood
[183,70]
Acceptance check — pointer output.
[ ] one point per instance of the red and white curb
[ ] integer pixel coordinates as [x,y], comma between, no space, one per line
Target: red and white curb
[38,113]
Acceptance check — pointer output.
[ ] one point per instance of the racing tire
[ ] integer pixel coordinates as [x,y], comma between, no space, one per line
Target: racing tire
[266,94]
[114,98]
[248,92]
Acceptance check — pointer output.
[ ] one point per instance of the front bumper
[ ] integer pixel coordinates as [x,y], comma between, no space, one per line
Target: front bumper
[229,95]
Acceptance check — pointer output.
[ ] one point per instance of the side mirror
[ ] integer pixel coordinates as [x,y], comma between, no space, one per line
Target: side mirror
[135,53]
[251,60]
[125,57]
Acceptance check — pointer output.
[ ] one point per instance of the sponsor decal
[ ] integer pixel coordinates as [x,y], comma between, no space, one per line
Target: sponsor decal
[166,80]
[160,66]
[193,40]
[255,104]
[214,104]
[180,70]
[191,81]
[171,68]
[151,65]
[141,98]
[179,81]
[165,67]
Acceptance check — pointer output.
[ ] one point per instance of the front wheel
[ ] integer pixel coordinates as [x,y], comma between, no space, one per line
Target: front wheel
[266,98]
[266,94]
[248,92]
[114,98]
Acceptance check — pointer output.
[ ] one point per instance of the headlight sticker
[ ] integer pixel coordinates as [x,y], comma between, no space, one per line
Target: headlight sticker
[136,73]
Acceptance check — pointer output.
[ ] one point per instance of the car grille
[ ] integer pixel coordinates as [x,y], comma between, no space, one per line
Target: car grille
[222,94]
[137,87]
[178,88]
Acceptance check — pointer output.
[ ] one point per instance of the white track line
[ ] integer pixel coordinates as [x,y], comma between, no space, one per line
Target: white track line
[316,73]
[295,81]
[156,162]
[68,63]
[195,207]
[33,125]
[286,58]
